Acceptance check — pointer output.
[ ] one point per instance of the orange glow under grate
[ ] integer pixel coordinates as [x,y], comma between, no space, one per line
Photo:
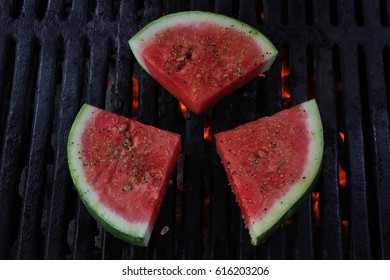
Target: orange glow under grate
[207,135]
[134,106]
[345,226]
[183,109]
[341,171]
[286,94]
[342,136]
[315,196]
[342,177]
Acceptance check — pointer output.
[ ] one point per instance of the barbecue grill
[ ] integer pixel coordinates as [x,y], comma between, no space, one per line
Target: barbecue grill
[56,55]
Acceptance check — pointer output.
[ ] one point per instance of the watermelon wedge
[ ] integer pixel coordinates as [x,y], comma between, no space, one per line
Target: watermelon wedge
[200,57]
[121,170]
[271,164]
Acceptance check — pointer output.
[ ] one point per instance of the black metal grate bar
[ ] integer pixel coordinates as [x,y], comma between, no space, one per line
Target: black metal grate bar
[14,141]
[354,141]
[379,120]
[331,247]
[29,229]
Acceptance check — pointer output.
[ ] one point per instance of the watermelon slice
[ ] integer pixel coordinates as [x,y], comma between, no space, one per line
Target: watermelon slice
[271,164]
[200,57]
[121,170]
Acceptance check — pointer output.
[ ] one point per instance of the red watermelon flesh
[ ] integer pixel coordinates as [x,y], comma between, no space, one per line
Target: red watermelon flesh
[271,164]
[201,57]
[121,169]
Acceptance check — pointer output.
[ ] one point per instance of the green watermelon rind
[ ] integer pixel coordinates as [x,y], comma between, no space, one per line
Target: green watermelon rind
[135,233]
[193,17]
[292,200]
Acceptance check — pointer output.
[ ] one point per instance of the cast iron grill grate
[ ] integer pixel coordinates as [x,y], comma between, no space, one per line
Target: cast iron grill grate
[56,55]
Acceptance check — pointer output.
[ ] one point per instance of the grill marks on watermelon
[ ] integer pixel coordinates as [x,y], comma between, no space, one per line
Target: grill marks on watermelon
[271,163]
[122,167]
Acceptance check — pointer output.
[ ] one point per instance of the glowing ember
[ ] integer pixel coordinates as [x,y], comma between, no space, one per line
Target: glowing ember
[134,106]
[183,109]
[342,135]
[341,170]
[289,222]
[285,66]
[207,135]
[315,196]
[342,177]
[262,75]
[286,94]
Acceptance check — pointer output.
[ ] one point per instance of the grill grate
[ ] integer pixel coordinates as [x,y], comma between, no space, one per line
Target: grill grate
[56,55]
